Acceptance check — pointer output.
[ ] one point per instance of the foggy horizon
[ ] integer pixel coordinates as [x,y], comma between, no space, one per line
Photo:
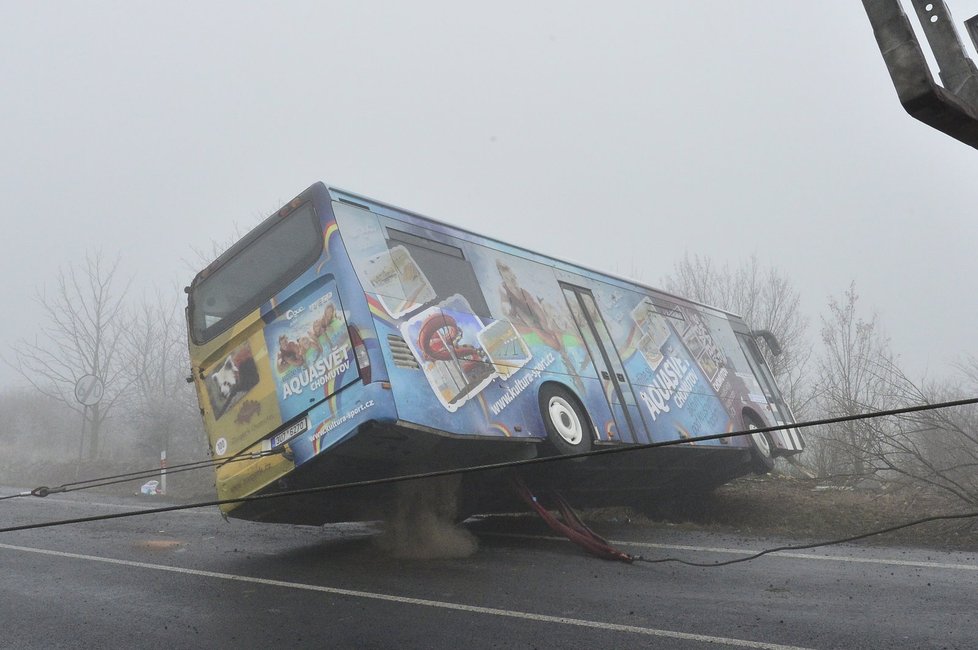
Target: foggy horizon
[620,138]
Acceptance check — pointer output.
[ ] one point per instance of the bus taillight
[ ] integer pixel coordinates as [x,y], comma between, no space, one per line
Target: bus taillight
[363,359]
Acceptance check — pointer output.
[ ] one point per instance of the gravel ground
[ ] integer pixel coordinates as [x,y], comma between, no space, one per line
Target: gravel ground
[811,509]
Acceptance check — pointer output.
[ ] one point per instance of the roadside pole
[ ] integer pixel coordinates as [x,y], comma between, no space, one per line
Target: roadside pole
[163,472]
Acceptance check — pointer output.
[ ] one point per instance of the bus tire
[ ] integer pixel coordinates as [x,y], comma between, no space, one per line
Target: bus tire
[568,426]
[761,455]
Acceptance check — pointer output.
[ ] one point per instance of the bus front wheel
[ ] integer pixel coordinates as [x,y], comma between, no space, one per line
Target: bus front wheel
[568,426]
[761,456]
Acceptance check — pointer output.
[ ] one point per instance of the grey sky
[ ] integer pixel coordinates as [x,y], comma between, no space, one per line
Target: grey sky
[619,135]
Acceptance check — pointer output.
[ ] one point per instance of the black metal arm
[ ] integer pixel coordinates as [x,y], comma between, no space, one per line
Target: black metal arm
[951,107]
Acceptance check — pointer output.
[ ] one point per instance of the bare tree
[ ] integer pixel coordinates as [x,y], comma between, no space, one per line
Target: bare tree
[766,298]
[80,336]
[162,402]
[938,448]
[856,373]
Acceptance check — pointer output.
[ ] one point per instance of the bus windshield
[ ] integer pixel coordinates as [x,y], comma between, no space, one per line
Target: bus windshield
[261,268]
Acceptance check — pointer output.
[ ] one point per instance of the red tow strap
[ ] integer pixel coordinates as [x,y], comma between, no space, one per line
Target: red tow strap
[571,527]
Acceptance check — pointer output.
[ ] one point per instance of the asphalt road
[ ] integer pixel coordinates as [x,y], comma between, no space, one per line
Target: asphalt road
[192,580]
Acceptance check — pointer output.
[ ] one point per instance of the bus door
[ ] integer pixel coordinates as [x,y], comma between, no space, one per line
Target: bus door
[617,389]
[787,438]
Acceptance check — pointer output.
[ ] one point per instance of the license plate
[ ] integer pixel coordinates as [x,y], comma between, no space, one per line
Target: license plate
[283,437]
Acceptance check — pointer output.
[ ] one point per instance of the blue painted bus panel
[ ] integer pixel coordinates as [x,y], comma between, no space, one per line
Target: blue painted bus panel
[478,370]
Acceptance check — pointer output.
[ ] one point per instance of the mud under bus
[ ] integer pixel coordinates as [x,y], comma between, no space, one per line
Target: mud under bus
[349,339]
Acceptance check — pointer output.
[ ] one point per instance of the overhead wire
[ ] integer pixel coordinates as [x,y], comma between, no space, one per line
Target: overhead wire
[208,463]
[135,476]
[101,481]
[245,454]
[492,466]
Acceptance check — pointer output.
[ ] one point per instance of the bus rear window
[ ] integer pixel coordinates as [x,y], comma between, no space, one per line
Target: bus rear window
[262,267]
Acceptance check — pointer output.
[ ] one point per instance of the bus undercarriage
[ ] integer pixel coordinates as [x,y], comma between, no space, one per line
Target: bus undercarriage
[641,478]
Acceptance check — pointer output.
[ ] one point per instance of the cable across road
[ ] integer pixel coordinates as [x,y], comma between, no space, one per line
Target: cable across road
[481,468]
[88,484]
[802,547]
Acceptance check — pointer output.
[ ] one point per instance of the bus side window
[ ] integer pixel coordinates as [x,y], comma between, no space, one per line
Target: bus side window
[445,267]
[670,310]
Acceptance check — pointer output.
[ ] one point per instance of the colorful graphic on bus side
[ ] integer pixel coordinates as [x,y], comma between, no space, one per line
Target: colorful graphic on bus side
[398,282]
[311,352]
[231,379]
[503,326]
[445,341]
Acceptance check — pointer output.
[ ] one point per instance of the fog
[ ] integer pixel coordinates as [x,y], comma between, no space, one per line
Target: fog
[620,135]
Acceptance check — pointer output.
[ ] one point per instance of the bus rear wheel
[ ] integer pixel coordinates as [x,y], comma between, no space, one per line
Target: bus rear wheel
[761,455]
[568,426]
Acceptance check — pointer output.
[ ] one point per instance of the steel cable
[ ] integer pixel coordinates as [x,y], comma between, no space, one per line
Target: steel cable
[493,466]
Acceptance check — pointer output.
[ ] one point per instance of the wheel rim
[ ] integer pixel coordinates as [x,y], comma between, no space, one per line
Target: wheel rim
[760,441]
[565,421]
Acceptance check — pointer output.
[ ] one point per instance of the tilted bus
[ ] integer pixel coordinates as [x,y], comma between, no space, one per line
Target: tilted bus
[349,339]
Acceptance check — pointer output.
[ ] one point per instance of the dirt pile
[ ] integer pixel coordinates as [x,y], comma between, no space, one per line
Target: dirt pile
[811,509]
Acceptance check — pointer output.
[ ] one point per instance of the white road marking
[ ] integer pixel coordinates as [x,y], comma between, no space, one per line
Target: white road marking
[743,551]
[459,607]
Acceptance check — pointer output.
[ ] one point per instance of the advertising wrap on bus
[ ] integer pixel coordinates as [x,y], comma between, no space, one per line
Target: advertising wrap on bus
[338,311]
[274,380]
[241,395]
[311,347]
[486,328]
